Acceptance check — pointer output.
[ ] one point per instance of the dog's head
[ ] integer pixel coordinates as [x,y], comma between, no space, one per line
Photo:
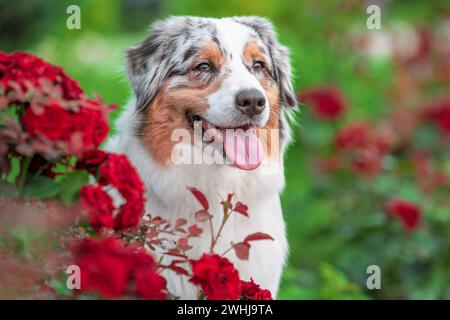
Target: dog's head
[228,73]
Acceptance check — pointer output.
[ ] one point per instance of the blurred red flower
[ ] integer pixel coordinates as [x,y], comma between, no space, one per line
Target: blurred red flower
[252,291]
[439,113]
[217,277]
[99,206]
[103,267]
[386,138]
[54,111]
[54,123]
[429,177]
[417,50]
[353,135]
[119,172]
[114,170]
[367,161]
[90,121]
[58,124]
[366,146]
[21,67]
[150,285]
[408,213]
[91,160]
[108,268]
[328,101]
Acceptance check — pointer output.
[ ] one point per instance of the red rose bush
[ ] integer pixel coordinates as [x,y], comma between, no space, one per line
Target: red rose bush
[50,133]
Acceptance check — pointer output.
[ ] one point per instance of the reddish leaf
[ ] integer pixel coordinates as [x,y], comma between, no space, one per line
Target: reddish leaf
[154,242]
[257,236]
[180,222]
[183,244]
[242,250]
[202,215]
[156,221]
[151,233]
[173,253]
[194,231]
[178,269]
[200,197]
[241,208]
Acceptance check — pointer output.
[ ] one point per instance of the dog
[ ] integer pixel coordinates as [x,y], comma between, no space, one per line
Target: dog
[228,73]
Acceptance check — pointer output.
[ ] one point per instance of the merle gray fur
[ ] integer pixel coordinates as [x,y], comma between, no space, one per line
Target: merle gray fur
[173,42]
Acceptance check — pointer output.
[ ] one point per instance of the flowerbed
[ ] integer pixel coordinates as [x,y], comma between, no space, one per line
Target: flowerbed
[52,217]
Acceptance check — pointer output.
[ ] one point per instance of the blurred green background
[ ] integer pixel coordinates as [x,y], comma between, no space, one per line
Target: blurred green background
[336,225]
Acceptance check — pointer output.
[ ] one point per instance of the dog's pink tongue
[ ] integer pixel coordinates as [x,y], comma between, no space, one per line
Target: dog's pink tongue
[243,148]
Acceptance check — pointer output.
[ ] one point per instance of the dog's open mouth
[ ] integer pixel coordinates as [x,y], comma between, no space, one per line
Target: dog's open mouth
[241,145]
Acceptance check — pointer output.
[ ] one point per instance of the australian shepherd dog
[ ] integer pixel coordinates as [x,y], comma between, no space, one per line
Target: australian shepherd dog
[229,80]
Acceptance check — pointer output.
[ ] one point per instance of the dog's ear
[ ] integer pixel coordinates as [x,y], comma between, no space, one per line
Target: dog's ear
[279,55]
[151,62]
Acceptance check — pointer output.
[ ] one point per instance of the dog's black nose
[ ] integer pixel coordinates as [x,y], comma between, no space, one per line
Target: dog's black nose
[251,102]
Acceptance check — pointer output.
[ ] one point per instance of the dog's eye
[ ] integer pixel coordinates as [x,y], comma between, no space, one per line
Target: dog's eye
[203,67]
[258,66]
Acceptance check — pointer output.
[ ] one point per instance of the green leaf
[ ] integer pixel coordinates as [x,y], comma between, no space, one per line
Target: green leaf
[71,185]
[41,187]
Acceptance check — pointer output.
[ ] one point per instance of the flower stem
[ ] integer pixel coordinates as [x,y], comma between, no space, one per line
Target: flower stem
[23,175]
[226,251]
[224,220]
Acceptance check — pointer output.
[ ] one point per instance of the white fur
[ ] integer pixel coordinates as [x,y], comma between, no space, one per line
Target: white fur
[222,110]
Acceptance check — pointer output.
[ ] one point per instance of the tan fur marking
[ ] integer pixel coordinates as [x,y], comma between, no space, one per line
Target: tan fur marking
[273,123]
[210,52]
[250,54]
[168,111]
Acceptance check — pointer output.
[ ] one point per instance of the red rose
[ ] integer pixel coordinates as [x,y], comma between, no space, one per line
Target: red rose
[91,160]
[53,107]
[58,124]
[91,123]
[103,267]
[111,269]
[150,285]
[99,206]
[54,123]
[328,101]
[130,213]
[252,291]
[408,213]
[21,67]
[217,277]
[354,135]
[117,171]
